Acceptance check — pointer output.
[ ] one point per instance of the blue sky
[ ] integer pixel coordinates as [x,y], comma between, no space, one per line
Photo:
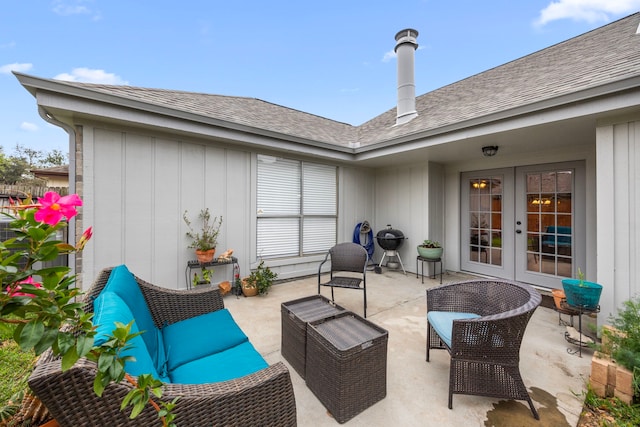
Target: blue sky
[332,58]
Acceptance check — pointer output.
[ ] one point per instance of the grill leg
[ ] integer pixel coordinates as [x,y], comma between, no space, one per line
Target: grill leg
[401,264]
[382,260]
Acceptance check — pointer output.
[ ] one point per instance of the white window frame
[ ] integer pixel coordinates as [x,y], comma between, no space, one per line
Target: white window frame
[297,207]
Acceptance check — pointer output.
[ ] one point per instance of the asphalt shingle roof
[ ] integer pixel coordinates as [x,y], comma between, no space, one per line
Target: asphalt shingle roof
[250,112]
[604,55]
[601,56]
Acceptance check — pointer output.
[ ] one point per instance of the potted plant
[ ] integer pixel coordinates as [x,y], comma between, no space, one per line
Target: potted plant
[430,249]
[249,287]
[259,281]
[204,241]
[582,294]
[204,278]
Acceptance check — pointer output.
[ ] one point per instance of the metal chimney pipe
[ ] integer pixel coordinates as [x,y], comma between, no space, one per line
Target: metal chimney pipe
[406,46]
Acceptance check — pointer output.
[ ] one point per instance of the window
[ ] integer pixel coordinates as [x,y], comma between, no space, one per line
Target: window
[297,207]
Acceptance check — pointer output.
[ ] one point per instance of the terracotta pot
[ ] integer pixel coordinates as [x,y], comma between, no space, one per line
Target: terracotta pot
[205,256]
[558,296]
[225,287]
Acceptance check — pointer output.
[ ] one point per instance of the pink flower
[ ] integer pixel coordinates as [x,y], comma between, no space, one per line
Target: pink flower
[17,288]
[84,238]
[53,207]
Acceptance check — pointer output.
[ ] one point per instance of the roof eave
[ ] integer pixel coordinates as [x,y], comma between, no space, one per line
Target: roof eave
[34,84]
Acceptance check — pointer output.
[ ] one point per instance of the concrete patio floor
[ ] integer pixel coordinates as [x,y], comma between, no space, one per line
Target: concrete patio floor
[417,390]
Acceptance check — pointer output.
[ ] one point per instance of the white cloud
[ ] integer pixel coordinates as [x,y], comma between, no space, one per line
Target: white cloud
[586,10]
[8,68]
[66,8]
[388,56]
[75,7]
[29,127]
[87,75]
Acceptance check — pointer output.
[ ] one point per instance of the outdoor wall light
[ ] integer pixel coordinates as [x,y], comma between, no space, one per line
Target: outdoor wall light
[490,150]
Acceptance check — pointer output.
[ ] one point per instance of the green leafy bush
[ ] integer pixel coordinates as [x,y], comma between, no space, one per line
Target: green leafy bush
[625,341]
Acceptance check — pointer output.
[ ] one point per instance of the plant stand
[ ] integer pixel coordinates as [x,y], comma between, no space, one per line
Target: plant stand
[195,264]
[579,311]
[429,260]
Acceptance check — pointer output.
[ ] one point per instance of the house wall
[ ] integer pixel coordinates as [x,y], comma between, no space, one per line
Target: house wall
[57,181]
[410,199]
[618,189]
[137,184]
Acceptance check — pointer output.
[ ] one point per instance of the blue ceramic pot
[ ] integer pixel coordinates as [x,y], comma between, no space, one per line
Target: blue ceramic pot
[585,295]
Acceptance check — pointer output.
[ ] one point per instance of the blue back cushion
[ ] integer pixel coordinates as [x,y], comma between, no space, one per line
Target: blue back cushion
[232,363]
[201,336]
[442,322]
[110,308]
[123,283]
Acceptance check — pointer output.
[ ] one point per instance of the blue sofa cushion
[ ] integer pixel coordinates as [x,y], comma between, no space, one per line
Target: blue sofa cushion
[201,336]
[232,363]
[124,284]
[442,322]
[110,308]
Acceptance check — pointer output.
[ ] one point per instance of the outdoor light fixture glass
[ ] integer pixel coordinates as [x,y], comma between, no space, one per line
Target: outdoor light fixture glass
[490,150]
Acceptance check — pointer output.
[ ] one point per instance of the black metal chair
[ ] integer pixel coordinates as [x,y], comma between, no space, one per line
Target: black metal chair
[349,258]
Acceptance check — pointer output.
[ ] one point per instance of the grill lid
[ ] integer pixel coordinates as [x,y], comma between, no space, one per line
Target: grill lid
[390,239]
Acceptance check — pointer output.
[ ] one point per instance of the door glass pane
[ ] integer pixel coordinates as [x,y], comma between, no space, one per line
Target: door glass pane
[485,220]
[549,222]
[533,183]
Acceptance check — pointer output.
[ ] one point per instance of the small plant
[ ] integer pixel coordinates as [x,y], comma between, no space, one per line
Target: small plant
[207,237]
[262,278]
[610,411]
[431,244]
[580,277]
[625,339]
[204,277]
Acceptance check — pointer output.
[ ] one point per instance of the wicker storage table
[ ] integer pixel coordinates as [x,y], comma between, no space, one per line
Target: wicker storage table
[346,364]
[295,316]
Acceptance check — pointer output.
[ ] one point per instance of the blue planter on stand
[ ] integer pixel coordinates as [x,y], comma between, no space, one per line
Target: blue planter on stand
[582,294]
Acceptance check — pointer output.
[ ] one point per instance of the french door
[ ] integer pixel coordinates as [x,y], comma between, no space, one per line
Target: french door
[525,223]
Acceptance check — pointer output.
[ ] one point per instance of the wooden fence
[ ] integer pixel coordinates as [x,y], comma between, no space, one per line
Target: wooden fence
[21,191]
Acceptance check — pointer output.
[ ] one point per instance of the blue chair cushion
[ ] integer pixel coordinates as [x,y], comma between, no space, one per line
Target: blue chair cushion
[124,284]
[232,363]
[201,336]
[110,308]
[442,322]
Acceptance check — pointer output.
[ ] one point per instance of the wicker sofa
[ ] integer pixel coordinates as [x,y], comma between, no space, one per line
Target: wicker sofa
[481,324]
[217,375]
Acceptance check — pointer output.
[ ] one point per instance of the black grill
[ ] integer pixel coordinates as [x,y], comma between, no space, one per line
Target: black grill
[390,239]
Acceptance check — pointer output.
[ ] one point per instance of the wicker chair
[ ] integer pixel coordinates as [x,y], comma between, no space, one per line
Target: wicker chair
[263,398]
[346,258]
[485,350]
